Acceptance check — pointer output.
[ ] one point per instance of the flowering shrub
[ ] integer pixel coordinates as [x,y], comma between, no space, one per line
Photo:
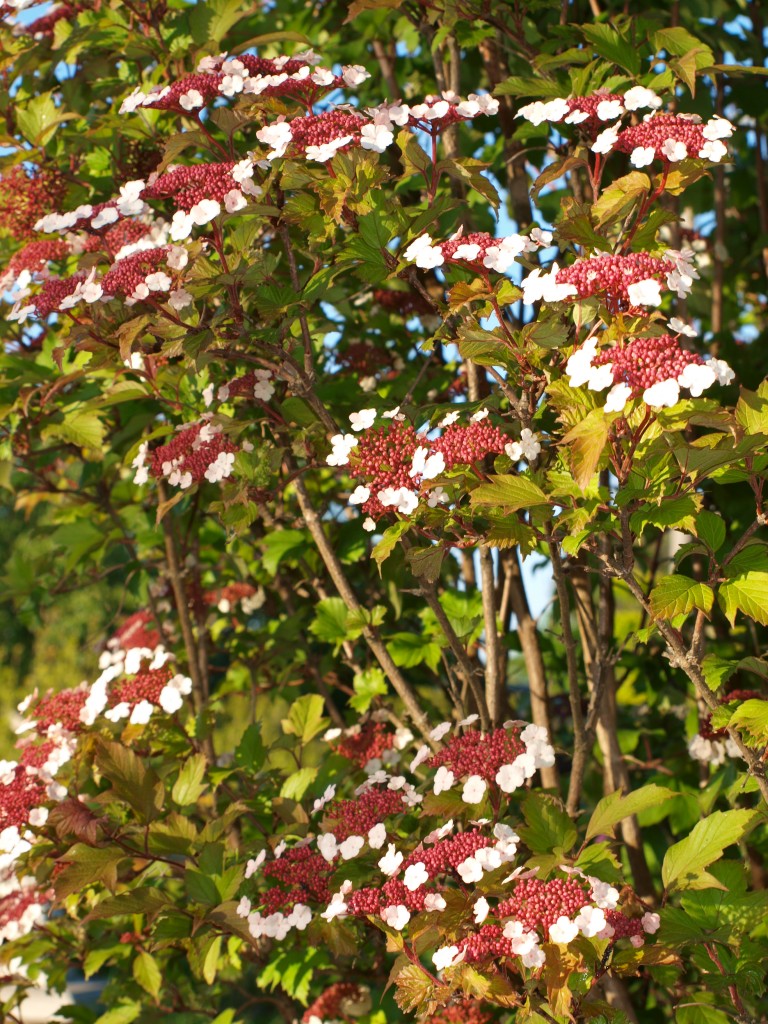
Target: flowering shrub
[309,358]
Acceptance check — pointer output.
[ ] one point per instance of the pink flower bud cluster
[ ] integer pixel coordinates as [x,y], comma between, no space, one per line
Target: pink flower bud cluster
[673,137]
[138,275]
[466,445]
[383,459]
[363,743]
[42,27]
[144,686]
[188,186]
[345,818]
[345,1000]
[643,362]
[537,904]
[590,113]
[478,250]
[303,876]
[49,299]
[288,77]
[21,906]
[477,753]
[26,196]
[255,384]
[613,276]
[138,630]
[465,1011]
[34,259]
[58,709]
[320,136]
[197,453]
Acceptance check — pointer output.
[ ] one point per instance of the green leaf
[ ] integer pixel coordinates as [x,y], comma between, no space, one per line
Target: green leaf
[297,784]
[679,595]
[710,528]
[201,888]
[209,22]
[190,785]
[39,118]
[132,779]
[510,492]
[368,684]
[747,593]
[673,513]
[83,429]
[388,542]
[147,973]
[717,670]
[614,47]
[752,715]
[280,544]
[616,806]
[586,443]
[124,1014]
[620,197]
[251,752]
[547,824]
[85,866]
[752,410]
[331,622]
[410,649]
[143,900]
[305,719]
[425,563]
[684,863]
[211,960]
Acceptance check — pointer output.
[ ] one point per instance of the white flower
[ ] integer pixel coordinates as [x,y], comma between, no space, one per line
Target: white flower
[38,817]
[277,135]
[677,326]
[158,282]
[478,416]
[674,151]
[391,860]
[714,151]
[717,128]
[439,731]
[342,445]
[434,903]
[221,467]
[638,97]
[415,875]
[664,393]
[651,923]
[563,930]
[362,420]
[606,140]
[327,151]
[538,112]
[234,200]
[360,495]
[204,211]
[396,916]
[300,916]
[539,286]
[354,74]
[369,524]
[404,500]
[141,713]
[444,780]
[468,252]
[697,377]
[180,298]
[425,465]
[263,389]
[253,865]
[377,836]
[642,156]
[327,846]
[474,789]
[422,755]
[590,921]
[336,908]
[243,907]
[723,372]
[535,958]
[509,778]
[424,254]
[181,226]
[351,847]
[376,137]
[470,870]
[446,956]
[481,910]
[618,397]
[191,100]
[607,110]
[645,293]
[604,894]
[448,419]
[106,216]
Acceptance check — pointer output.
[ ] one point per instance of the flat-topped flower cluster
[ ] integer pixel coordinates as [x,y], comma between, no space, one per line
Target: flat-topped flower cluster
[397,464]
[412,876]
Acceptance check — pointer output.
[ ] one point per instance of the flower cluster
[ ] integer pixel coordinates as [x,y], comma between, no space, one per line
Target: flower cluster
[659,136]
[199,452]
[26,196]
[200,192]
[625,283]
[297,78]
[343,1000]
[320,136]
[396,462]
[362,744]
[22,906]
[479,250]
[654,369]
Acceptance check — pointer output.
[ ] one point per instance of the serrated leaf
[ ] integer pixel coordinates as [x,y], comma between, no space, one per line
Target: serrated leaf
[586,442]
[547,824]
[684,863]
[388,542]
[297,784]
[616,806]
[368,684]
[511,492]
[747,593]
[673,513]
[190,784]
[425,563]
[147,973]
[752,715]
[679,595]
[710,528]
